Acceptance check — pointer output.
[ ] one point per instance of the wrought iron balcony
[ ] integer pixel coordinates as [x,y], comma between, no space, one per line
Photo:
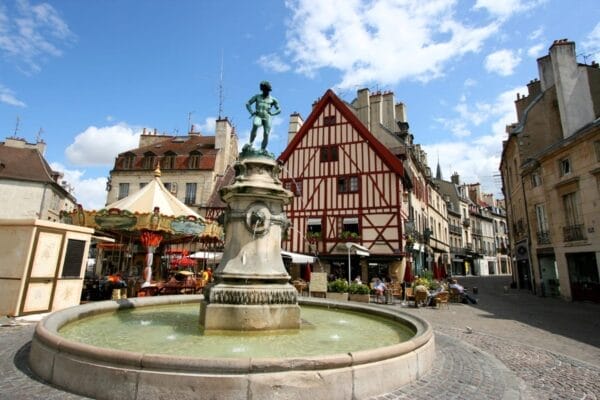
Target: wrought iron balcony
[573,233]
[455,229]
[543,237]
[466,222]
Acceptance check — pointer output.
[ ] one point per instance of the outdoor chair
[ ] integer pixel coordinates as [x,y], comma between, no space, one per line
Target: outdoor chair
[409,295]
[442,298]
[455,296]
[420,298]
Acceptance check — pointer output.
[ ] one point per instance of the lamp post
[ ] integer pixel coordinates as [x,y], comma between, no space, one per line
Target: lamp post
[360,250]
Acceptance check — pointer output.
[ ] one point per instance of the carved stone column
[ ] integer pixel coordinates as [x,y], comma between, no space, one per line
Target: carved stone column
[252,289]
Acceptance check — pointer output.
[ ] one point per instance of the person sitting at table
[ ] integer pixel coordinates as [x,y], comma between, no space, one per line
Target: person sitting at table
[379,288]
[461,290]
[438,288]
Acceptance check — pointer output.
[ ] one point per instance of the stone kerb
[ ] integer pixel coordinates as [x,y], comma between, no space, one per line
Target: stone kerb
[105,373]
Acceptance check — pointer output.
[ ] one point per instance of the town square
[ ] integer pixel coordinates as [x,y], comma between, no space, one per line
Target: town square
[375,200]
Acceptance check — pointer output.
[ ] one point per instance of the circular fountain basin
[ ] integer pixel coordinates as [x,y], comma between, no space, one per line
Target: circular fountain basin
[163,370]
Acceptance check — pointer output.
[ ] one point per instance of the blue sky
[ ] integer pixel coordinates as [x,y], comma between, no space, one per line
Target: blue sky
[92,74]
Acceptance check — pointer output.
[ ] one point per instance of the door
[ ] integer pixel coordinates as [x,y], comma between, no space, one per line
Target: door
[583,275]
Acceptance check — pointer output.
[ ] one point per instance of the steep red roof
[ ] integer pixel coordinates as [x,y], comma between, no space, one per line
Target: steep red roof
[181,146]
[331,98]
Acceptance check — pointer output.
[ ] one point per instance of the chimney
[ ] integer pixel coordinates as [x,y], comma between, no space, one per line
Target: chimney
[534,87]
[223,134]
[400,112]
[388,111]
[363,107]
[573,93]
[294,125]
[455,178]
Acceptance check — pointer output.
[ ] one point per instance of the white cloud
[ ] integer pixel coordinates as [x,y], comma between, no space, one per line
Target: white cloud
[535,51]
[89,192]
[99,146]
[29,33]
[380,41]
[502,62]
[506,8]
[272,62]
[536,34]
[208,127]
[7,96]
[478,158]
[592,41]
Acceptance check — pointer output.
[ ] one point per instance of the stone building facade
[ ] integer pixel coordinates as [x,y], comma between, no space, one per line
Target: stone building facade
[550,169]
[29,188]
[190,165]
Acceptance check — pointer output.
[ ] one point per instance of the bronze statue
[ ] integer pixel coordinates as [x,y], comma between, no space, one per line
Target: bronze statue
[262,114]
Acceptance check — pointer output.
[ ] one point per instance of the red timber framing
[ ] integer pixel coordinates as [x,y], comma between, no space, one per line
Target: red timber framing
[345,178]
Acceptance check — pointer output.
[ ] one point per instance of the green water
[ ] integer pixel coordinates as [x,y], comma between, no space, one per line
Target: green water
[174,330]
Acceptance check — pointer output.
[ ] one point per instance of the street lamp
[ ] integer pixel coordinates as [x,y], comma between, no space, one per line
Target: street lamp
[360,251]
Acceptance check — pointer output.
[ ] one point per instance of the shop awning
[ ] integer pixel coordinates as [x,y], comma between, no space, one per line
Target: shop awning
[208,255]
[299,258]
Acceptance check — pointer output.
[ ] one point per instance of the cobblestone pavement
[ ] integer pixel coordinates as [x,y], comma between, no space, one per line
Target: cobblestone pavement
[511,345]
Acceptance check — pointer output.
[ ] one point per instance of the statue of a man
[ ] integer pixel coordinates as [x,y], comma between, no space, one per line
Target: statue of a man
[262,114]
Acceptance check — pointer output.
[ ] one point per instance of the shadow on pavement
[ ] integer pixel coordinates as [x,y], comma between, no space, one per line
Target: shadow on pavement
[576,320]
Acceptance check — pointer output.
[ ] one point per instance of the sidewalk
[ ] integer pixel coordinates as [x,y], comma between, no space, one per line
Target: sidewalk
[520,347]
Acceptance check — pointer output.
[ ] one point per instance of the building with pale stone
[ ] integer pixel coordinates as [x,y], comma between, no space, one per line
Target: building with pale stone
[190,165]
[550,170]
[29,188]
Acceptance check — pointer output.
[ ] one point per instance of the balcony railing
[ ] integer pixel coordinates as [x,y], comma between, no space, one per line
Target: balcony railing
[457,250]
[455,229]
[573,233]
[543,237]
[466,222]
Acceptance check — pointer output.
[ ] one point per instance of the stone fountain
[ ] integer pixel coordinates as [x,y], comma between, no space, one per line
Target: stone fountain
[252,289]
[251,293]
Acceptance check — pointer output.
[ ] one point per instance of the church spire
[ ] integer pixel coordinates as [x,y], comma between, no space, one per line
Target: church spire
[438,172]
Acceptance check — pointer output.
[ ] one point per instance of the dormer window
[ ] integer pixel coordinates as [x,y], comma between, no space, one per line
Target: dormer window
[128,161]
[194,160]
[149,160]
[168,161]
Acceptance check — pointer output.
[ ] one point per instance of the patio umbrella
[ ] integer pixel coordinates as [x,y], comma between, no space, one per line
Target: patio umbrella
[183,262]
[408,275]
[436,271]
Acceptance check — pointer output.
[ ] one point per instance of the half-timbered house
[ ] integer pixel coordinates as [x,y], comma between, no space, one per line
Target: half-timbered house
[348,188]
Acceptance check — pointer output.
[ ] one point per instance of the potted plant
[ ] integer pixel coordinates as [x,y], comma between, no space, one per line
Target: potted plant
[313,236]
[337,290]
[349,235]
[359,292]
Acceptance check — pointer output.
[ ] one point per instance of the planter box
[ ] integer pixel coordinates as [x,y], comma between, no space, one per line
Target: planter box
[363,298]
[337,296]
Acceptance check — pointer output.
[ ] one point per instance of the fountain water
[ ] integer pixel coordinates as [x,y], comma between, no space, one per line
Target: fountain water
[251,294]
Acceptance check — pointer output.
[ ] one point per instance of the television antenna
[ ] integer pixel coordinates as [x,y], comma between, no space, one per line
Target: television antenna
[17,126]
[221,87]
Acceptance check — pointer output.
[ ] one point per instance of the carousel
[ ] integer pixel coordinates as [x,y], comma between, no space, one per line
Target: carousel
[149,222]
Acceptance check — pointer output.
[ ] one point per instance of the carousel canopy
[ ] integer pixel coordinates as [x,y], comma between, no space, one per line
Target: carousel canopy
[152,208]
[153,195]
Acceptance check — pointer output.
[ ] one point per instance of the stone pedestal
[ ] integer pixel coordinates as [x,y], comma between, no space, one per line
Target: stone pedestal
[252,289]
